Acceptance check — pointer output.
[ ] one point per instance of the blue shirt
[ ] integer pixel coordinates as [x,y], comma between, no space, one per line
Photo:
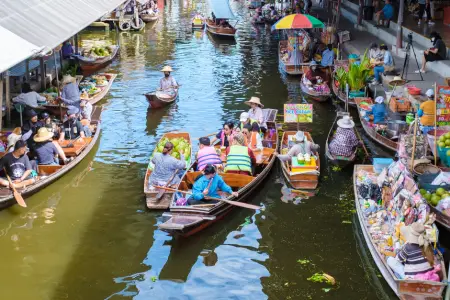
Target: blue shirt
[327,58]
[217,184]
[70,95]
[388,11]
[388,61]
[67,50]
[379,113]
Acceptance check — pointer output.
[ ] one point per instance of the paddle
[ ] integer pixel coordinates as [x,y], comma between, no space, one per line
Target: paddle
[362,143]
[17,195]
[161,192]
[236,203]
[211,134]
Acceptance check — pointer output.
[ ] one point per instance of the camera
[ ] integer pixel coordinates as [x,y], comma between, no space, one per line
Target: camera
[410,37]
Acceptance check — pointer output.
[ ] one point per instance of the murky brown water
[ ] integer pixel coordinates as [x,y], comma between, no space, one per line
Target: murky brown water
[89,236]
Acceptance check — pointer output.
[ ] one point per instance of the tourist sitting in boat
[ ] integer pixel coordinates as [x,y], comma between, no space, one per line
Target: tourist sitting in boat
[315,75]
[208,185]
[70,93]
[86,109]
[302,145]
[168,84]
[255,141]
[344,139]
[378,111]
[47,150]
[72,128]
[30,127]
[415,258]
[381,66]
[29,97]
[207,155]
[17,165]
[328,56]
[247,132]
[256,113]
[12,139]
[426,112]
[165,166]
[225,135]
[244,119]
[240,158]
[49,124]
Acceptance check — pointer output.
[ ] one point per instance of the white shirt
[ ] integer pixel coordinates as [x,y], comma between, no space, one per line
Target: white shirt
[258,115]
[167,83]
[30,99]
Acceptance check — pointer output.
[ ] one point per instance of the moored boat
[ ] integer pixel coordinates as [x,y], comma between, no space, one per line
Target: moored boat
[160,99]
[341,161]
[226,32]
[151,194]
[198,23]
[147,18]
[48,174]
[303,177]
[93,99]
[90,65]
[285,65]
[319,96]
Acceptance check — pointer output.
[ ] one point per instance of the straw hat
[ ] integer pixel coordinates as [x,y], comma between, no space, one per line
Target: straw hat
[254,100]
[346,122]
[42,135]
[68,79]
[167,69]
[379,99]
[299,136]
[244,117]
[414,233]
[397,81]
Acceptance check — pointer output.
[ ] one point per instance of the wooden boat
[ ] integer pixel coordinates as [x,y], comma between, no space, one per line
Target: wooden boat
[341,94]
[187,220]
[104,90]
[341,161]
[89,65]
[371,131]
[308,179]
[311,94]
[151,193]
[404,289]
[286,67]
[149,18]
[198,24]
[50,173]
[158,99]
[219,31]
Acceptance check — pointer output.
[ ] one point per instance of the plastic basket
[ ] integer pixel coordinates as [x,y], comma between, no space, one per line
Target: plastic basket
[424,182]
[442,153]
[380,163]
[430,136]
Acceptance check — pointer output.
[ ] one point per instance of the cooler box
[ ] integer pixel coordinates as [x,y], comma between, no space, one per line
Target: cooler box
[296,167]
[380,163]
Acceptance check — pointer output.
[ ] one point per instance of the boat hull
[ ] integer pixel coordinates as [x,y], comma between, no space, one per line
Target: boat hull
[156,102]
[219,31]
[89,67]
[339,161]
[341,95]
[314,96]
[290,69]
[148,18]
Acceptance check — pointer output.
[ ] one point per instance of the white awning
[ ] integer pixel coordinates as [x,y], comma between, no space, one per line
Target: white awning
[48,23]
[221,9]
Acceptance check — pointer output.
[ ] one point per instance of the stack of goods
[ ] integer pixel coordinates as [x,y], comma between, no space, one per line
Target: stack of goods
[390,201]
[91,86]
[435,189]
[97,49]
[444,149]
[50,95]
[178,144]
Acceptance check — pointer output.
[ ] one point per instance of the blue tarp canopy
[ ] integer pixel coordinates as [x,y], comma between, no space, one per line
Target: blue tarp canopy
[221,9]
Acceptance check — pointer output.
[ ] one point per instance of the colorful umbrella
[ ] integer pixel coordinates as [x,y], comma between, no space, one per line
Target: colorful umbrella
[297,21]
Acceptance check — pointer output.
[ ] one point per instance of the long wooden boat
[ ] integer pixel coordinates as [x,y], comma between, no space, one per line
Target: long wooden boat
[149,18]
[198,24]
[156,99]
[308,179]
[151,193]
[228,32]
[339,93]
[89,65]
[188,220]
[404,289]
[286,67]
[99,96]
[341,161]
[371,131]
[311,94]
[48,174]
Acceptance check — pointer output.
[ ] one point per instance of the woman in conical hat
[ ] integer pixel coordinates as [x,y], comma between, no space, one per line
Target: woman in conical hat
[256,112]
[344,140]
[168,84]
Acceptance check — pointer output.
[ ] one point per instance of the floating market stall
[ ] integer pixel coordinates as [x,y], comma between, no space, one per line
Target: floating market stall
[96,55]
[219,25]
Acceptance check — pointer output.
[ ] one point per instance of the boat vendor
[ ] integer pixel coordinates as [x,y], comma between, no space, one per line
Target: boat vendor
[256,113]
[344,140]
[207,155]
[427,111]
[17,166]
[67,50]
[30,127]
[255,141]
[72,128]
[165,166]
[240,158]
[225,135]
[208,185]
[47,150]
[302,146]
[327,56]
[29,97]
[70,94]
[168,84]
[378,111]
[314,74]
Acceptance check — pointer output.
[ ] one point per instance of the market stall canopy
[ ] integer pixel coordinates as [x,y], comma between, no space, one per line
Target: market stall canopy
[14,49]
[51,22]
[298,21]
[221,9]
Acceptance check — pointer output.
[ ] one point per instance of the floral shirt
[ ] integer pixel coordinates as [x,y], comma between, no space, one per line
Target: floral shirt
[344,142]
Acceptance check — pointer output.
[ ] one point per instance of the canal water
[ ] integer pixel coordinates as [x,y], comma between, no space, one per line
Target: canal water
[89,235]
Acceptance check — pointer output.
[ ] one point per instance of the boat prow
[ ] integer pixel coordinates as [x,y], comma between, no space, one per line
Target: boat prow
[158,100]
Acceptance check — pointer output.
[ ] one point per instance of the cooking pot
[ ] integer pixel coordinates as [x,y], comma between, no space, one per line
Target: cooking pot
[397,126]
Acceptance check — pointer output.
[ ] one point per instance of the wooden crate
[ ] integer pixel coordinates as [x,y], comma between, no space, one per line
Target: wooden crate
[399,105]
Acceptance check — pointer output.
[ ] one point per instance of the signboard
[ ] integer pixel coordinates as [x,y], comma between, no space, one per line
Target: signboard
[298,113]
[443,106]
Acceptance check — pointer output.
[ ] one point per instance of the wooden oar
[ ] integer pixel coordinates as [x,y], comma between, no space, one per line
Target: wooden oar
[362,143]
[17,195]
[161,192]
[236,203]
[211,134]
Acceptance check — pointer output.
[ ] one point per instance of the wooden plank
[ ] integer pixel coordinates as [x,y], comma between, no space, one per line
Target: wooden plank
[48,169]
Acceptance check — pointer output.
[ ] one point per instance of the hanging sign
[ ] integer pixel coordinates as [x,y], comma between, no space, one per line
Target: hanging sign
[443,105]
[298,113]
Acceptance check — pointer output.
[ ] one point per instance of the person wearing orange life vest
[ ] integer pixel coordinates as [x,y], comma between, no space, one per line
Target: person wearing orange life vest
[427,110]
[239,157]
[255,141]
[207,155]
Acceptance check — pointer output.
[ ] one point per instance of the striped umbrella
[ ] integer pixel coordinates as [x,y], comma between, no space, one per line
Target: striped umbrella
[297,21]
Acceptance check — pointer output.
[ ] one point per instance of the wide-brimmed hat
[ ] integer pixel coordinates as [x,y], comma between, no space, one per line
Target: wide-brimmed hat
[429,93]
[68,79]
[346,122]
[254,100]
[397,81]
[414,233]
[244,117]
[300,136]
[379,99]
[42,135]
[167,69]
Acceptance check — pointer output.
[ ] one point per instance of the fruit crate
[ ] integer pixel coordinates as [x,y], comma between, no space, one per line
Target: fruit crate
[442,153]
[399,105]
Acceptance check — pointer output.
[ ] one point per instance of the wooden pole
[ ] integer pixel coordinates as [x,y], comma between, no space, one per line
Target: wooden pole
[435,124]
[42,67]
[414,142]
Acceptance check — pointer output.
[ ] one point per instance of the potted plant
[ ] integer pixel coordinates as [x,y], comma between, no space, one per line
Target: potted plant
[357,76]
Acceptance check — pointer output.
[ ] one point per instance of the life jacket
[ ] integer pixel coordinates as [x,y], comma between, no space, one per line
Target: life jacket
[238,159]
[253,140]
[207,155]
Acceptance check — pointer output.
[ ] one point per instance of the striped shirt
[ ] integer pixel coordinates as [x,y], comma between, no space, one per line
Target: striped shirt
[165,166]
[415,263]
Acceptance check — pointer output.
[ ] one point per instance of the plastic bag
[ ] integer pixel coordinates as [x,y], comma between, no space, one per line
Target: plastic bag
[442,179]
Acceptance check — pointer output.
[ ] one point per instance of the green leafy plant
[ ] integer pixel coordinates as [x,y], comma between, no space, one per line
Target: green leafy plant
[69,70]
[341,77]
[356,76]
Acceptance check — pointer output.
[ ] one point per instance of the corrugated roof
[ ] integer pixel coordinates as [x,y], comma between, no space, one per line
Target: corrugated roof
[221,9]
